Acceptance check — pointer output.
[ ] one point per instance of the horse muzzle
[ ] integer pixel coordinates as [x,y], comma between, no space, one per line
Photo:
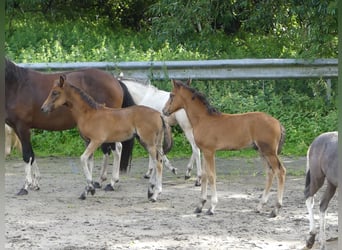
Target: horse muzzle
[46,108]
[166,112]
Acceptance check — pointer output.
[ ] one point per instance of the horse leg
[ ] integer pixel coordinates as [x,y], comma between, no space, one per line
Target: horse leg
[155,187]
[28,157]
[116,167]
[106,148]
[280,175]
[204,186]
[87,169]
[268,185]
[274,166]
[211,175]
[35,176]
[151,164]
[195,157]
[168,164]
[328,194]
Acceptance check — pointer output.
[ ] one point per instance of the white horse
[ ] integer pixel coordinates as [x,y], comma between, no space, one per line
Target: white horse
[144,93]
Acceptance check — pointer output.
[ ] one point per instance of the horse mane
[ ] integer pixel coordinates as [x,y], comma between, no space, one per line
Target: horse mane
[13,72]
[85,97]
[201,97]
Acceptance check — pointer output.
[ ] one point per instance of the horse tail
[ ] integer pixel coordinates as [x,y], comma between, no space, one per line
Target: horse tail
[168,140]
[308,176]
[282,138]
[127,146]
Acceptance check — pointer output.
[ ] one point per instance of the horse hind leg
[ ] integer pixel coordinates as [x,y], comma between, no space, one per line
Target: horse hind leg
[328,194]
[116,167]
[274,167]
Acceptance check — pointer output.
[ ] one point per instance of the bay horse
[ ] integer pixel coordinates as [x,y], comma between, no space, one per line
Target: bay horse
[146,94]
[214,131]
[100,124]
[26,91]
[321,165]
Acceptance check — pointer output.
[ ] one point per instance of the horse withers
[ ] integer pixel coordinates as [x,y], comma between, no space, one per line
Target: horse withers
[322,165]
[214,131]
[99,124]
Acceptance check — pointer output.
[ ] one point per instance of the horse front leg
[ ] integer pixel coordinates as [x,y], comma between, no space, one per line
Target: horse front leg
[195,157]
[32,176]
[87,168]
[116,167]
[204,188]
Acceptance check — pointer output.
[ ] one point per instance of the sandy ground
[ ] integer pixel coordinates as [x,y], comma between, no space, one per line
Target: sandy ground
[54,217]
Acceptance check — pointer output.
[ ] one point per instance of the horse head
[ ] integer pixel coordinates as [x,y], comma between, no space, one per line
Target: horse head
[56,96]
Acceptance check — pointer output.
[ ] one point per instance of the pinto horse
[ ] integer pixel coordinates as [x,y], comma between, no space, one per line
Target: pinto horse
[100,124]
[149,95]
[26,91]
[322,164]
[216,131]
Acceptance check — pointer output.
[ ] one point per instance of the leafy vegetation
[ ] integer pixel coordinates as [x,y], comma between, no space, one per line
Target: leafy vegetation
[136,30]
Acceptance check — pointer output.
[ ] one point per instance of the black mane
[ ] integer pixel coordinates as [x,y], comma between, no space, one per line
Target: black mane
[13,72]
[85,97]
[201,97]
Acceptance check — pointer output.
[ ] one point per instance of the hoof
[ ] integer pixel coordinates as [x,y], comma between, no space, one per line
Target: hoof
[209,212]
[273,214]
[97,184]
[187,177]
[150,191]
[310,241]
[92,191]
[152,199]
[82,197]
[109,188]
[22,191]
[146,176]
[198,210]
[197,183]
[174,171]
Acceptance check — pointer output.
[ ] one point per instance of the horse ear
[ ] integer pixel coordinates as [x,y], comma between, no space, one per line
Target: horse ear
[188,82]
[175,83]
[61,80]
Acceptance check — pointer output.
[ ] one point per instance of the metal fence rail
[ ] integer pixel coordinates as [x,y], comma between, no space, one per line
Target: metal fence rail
[235,69]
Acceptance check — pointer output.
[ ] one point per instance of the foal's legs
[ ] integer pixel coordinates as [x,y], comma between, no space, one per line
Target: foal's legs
[274,166]
[209,175]
[184,123]
[93,145]
[116,167]
[155,187]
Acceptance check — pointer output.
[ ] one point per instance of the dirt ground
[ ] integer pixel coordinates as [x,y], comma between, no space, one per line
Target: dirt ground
[54,217]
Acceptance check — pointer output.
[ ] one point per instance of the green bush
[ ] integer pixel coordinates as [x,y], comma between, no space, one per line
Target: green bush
[300,105]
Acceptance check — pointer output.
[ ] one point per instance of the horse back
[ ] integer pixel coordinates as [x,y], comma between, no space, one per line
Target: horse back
[323,157]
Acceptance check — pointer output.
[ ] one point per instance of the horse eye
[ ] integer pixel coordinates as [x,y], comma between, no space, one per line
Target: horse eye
[54,93]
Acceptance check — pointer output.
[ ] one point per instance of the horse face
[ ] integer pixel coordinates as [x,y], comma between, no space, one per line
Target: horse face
[174,103]
[55,99]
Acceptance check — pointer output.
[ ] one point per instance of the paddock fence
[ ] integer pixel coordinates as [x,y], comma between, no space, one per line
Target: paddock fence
[231,69]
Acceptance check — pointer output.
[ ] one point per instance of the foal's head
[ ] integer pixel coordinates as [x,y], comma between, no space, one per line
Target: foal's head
[174,102]
[56,97]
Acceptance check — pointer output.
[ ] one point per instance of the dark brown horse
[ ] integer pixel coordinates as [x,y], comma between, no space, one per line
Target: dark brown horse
[214,131]
[100,124]
[25,92]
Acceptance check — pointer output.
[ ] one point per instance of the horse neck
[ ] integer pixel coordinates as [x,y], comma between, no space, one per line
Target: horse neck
[194,109]
[76,103]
